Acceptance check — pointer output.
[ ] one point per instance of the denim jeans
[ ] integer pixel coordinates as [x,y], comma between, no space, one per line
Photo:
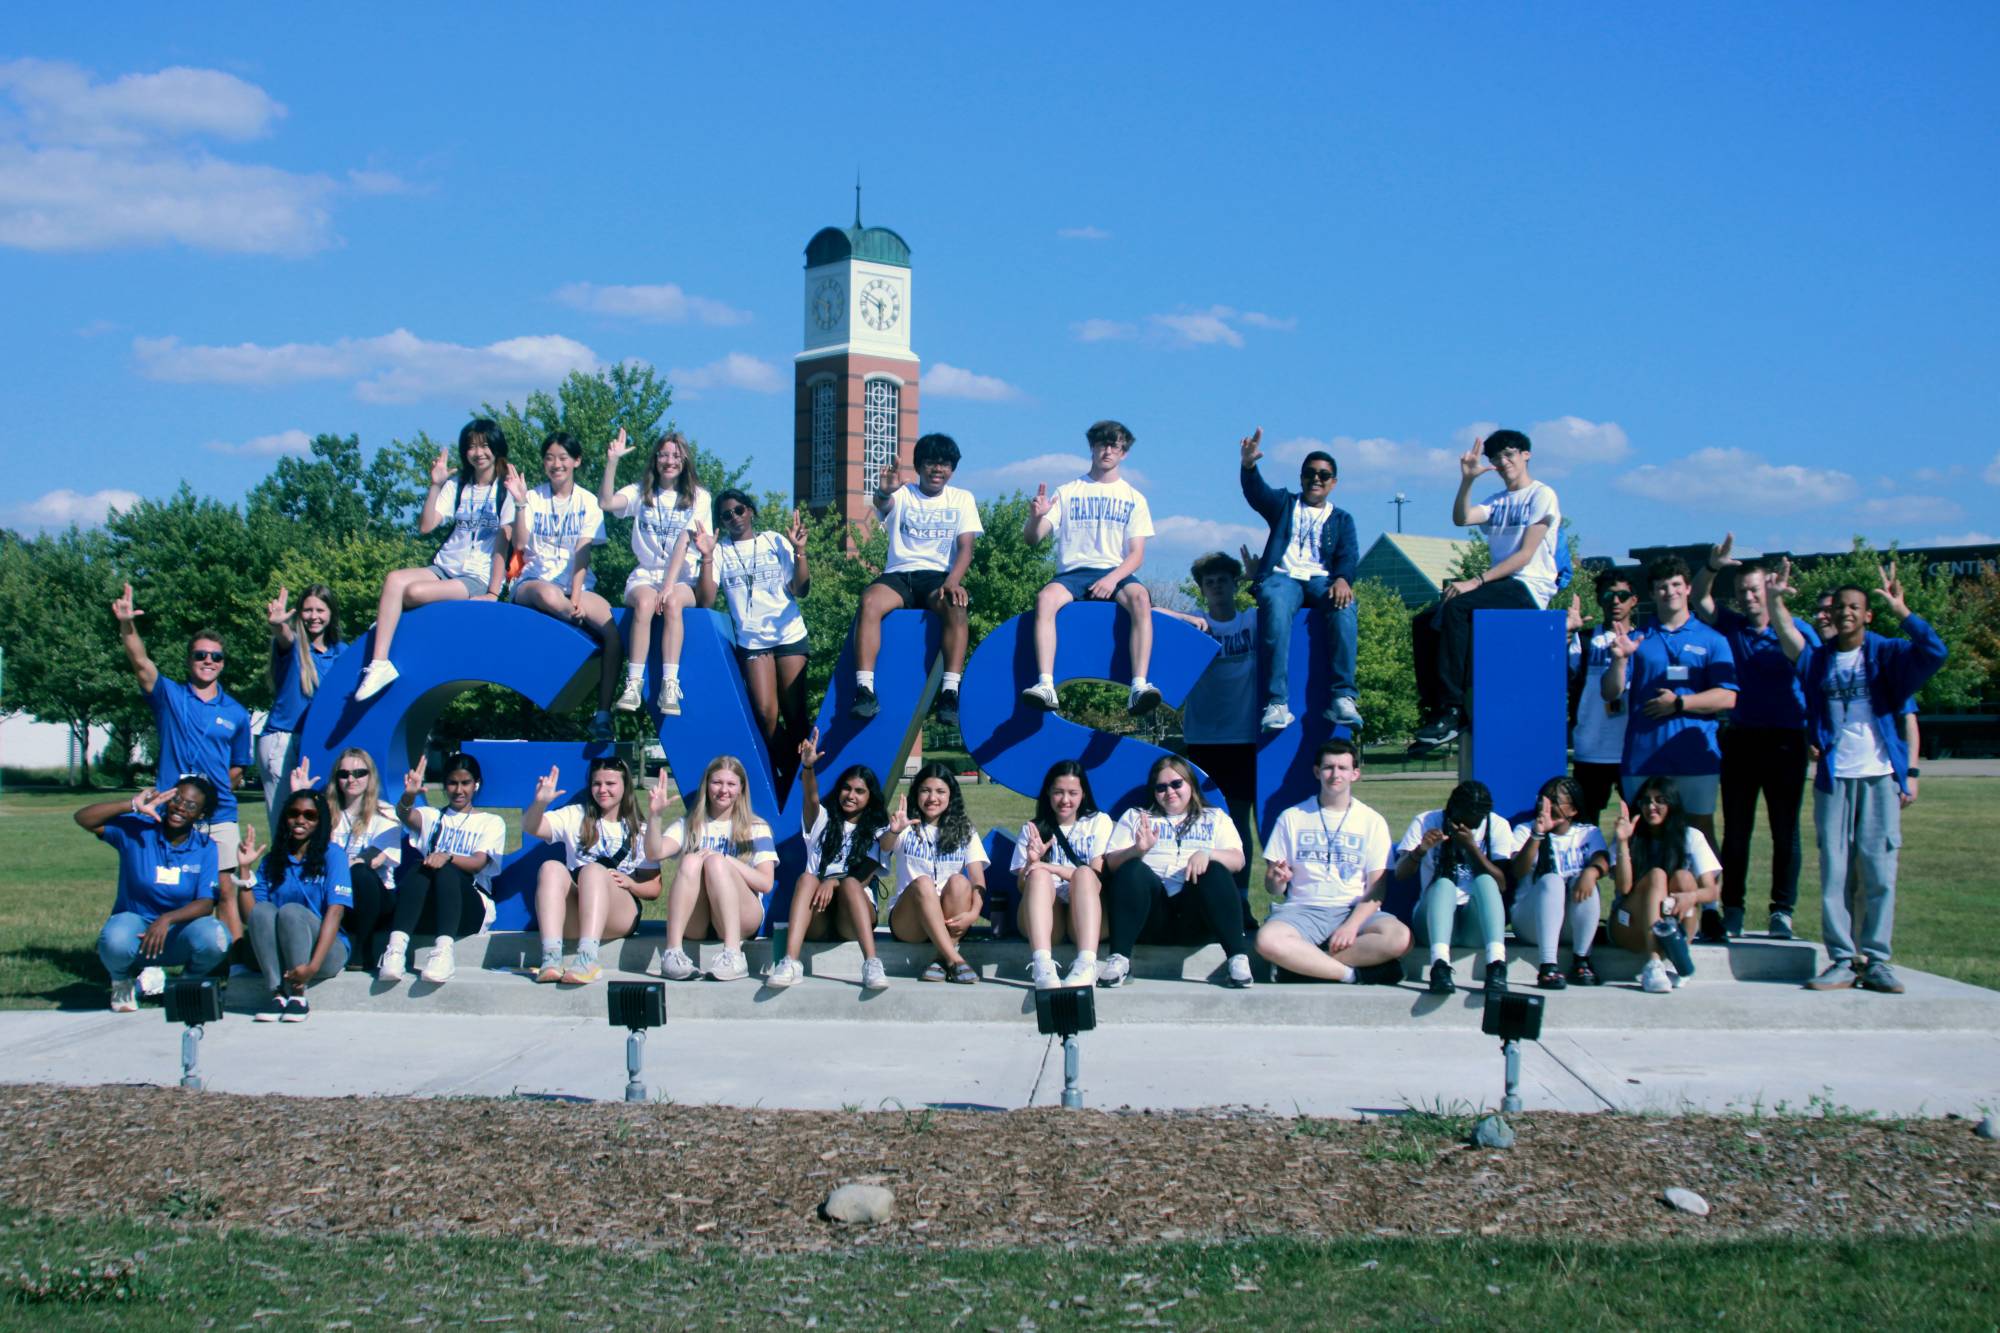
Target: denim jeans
[197,946]
[1279,598]
[1860,829]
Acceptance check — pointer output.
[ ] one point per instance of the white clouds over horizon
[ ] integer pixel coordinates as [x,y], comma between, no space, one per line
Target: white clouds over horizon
[62,507]
[284,442]
[947,381]
[1738,479]
[1184,532]
[738,370]
[1025,474]
[663,303]
[1103,330]
[396,367]
[1217,326]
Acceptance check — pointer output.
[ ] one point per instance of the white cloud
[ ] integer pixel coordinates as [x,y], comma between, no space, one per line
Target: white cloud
[1200,328]
[947,381]
[1971,538]
[738,370]
[60,508]
[1083,233]
[1734,478]
[1206,534]
[62,103]
[1910,509]
[396,367]
[1051,469]
[1374,458]
[1103,330]
[1256,319]
[379,182]
[1574,440]
[266,446]
[1992,472]
[663,303]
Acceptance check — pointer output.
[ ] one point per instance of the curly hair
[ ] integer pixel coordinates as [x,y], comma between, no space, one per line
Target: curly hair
[954,827]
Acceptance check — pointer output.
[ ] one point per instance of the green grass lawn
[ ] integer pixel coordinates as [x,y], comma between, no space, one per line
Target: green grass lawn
[56,882]
[110,1273]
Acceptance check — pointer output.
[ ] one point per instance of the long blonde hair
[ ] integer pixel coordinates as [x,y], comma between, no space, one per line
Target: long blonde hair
[370,802]
[302,642]
[742,821]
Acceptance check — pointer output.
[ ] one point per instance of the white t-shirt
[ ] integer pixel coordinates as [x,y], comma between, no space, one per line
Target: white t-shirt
[1089,837]
[719,835]
[566,827]
[1858,751]
[657,524]
[1570,851]
[1302,557]
[1600,734]
[1510,515]
[477,515]
[1221,709]
[756,578]
[1498,841]
[924,529]
[842,857]
[383,833]
[1095,521]
[917,855]
[556,530]
[1698,855]
[1211,832]
[462,833]
[1333,855]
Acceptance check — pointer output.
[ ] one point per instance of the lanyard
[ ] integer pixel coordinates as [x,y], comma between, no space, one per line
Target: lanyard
[1332,833]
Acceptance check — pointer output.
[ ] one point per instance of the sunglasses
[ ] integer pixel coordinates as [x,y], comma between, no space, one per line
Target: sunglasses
[731,511]
[1620,595]
[205,655]
[1175,785]
[304,814]
[349,774]
[1315,474]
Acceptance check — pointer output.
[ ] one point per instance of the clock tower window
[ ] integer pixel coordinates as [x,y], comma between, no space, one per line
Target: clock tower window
[822,443]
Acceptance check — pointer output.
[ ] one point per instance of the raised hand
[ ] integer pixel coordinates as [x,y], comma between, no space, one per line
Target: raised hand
[704,541]
[899,821]
[619,447]
[1891,590]
[148,802]
[1718,555]
[1278,873]
[1545,817]
[1472,464]
[1433,839]
[1573,618]
[1146,836]
[1250,452]
[1625,826]
[413,781]
[276,611]
[125,609]
[517,486]
[1778,580]
[1041,504]
[441,468]
[1033,848]
[657,800]
[885,481]
[1249,561]
[809,751]
[796,535]
[301,778]
[247,851]
[1622,643]
[545,787]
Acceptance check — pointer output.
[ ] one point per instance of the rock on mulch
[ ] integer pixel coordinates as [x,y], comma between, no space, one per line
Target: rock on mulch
[673,1176]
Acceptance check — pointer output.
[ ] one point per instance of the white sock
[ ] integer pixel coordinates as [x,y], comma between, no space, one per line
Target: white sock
[1352,975]
[1496,953]
[1440,953]
[1140,682]
[634,671]
[951,679]
[586,950]
[551,950]
[1046,678]
[1043,956]
[865,679]
[1084,956]
[670,670]
[440,943]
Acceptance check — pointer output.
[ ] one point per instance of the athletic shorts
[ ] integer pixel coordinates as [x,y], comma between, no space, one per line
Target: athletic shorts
[796,648]
[1697,789]
[1315,922]
[914,586]
[1078,581]
[656,579]
[474,585]
[514,595]
[228,837]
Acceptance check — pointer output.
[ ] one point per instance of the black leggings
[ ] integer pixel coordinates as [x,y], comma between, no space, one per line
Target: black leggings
[1207,909]
[370,913]
[441,901]
[1441,642]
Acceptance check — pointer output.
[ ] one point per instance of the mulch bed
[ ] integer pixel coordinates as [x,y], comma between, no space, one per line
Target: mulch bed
[683,1177]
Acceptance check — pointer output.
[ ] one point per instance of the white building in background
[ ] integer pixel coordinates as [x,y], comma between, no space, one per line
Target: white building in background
[27,742]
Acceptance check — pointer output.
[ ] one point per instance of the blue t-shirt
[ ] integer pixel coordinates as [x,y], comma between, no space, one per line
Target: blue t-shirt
[1769,693]
[312,894]
[1687,660]
[156,876]
[288,704]
[205,736]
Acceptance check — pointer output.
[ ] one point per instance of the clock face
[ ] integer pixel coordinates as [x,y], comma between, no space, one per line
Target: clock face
[881,304]
[829,303]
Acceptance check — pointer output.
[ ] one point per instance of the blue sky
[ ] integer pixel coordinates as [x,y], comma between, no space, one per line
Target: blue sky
[1731,270]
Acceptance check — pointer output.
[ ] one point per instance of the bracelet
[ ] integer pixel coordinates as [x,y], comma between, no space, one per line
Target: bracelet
[1914,771]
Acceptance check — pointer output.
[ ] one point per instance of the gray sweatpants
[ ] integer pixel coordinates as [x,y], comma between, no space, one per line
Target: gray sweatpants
[283,938]
[1860,826]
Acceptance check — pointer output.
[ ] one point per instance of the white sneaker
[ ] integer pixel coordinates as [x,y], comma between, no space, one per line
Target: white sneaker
[124,997]
[1344,712]
[675,965]
[1042,971]
[1653,978]
[1114,970]
[628,698]
[442,965]
[1042,696]
[153,981]
[729,965]
[874,976]
[1276,717]
[390,968]
[1674,978]
[785,972]
[1082,973]
[1239,970]
[375,678]
[669,698]
[1142,699]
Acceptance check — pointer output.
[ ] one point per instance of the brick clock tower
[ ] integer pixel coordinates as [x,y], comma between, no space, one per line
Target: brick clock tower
[856,394]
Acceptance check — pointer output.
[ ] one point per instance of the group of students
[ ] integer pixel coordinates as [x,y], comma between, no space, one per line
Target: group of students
[1176,869]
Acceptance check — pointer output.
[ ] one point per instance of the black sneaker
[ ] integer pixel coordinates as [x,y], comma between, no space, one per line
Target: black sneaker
[1550,977]
[1441,982]
[864,705]
[1496,977]
[1380,974]
[270,1011]
[296,1009]
[944,710]
[1581,973]
[1439,731]
[1713,929]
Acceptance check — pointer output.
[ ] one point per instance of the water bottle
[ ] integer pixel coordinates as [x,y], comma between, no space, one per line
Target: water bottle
[1673,942]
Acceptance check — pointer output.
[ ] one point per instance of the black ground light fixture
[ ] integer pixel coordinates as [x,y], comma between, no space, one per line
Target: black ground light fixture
[1514,1018]
[195,1003]
[1064,1013]
[636,1006]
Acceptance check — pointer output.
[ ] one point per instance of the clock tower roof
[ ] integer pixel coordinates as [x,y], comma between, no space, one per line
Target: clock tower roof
[879,245]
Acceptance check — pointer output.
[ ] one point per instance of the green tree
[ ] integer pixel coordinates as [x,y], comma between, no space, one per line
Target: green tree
[1384,670]
[1957,685]
[64,663]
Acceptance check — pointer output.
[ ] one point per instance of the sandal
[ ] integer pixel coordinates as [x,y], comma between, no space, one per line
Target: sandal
[962,974]
[935,972]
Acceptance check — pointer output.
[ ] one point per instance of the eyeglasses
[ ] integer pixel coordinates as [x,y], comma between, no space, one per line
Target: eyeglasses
[1315,474]
[349,774]
[186,804]
[204,655]
[1619,595]
[1648,802]
[1174,785]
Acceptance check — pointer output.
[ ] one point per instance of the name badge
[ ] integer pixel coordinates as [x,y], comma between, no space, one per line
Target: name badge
[1678,671]
[169,876]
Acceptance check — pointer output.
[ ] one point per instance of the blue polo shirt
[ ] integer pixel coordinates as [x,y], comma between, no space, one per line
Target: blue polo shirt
[312,894]
[1687,660]
[288,702]
[197,735]
[1769,693]
[156,876]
